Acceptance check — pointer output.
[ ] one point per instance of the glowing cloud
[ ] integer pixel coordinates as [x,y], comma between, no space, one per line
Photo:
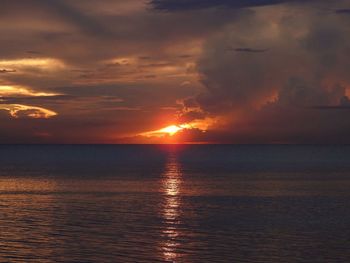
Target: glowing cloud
[22,91]
[43,63]
[19,110]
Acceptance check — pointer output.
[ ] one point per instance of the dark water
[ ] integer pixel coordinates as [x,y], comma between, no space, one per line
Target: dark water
[174,203]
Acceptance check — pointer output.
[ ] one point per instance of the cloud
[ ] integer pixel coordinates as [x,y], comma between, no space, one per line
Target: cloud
[342,11]
[22,91]
[25,111]
[344,105]
[340,107]
[181,5]
[281,95]
[60,10]
[248,50]
[4,71]
[40,63]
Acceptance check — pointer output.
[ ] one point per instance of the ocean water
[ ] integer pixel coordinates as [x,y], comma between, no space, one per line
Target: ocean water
[199,203]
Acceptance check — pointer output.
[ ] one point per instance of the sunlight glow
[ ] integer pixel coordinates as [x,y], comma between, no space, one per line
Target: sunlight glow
[171,189]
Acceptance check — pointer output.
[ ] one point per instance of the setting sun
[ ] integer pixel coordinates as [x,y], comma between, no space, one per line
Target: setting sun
[171,130]
[174,129]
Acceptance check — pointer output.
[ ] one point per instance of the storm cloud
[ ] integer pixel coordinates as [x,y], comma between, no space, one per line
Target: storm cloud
[305,71]
[181,5]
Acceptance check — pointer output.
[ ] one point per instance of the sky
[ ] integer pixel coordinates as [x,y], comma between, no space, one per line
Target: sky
[175,71]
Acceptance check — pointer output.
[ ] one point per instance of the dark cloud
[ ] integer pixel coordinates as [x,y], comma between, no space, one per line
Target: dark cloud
[296,68]
[343,11]
[246,49]
[185,56]
[332,107]
[288,126]
[34,52]
[180,5]
[38,99]
[59,9]
[294,94]
[343,105]
[145,57]
[299,93]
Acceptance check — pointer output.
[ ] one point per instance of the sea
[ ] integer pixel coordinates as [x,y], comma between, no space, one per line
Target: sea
[174,203]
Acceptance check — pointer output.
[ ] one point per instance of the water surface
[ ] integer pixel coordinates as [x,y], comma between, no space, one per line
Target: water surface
[174,203]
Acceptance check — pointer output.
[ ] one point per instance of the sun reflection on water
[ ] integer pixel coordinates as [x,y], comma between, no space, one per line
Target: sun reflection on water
[171,190]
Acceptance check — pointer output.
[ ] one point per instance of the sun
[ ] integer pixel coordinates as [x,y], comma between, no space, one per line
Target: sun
[171,130]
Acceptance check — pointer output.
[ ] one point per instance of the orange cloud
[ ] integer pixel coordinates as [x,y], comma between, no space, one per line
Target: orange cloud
[19,110]
[42,63]
[22,91]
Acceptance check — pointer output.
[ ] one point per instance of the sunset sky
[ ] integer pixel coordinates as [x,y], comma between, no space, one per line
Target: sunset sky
[174,71]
